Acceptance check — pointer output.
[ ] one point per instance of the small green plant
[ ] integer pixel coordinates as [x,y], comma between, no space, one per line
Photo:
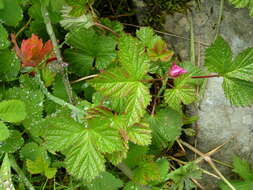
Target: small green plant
[90,106]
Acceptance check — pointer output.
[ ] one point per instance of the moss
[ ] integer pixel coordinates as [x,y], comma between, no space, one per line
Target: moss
[155,16]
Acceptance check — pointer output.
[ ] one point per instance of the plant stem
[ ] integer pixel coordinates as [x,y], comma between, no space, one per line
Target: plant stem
[84,78]
[207,76]
[219,19]
[22,176]
[56,99]
[51,33]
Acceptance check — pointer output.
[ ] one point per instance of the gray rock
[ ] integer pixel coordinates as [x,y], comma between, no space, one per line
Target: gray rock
[219,121]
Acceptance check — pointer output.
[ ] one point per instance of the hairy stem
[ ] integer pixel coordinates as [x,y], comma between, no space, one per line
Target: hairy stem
[56,99]
[203,77]
[57,51]
[22,176]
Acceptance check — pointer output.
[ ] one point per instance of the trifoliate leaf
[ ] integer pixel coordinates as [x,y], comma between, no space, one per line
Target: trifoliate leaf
[243,4]
[146,171]
[147,36]
[4,132]
[90,47]
[40,166]
[237,73]
[71,22]
[181,93]
[4,42]
[105,181]
[182,176]
[160,51]
[82,145]
[12,13]
[5,174]
[33,100]
[242,168]
[132,57]
[12,143]
[139,134]
[117,83]
[166,126]
[12,110]
[9,64]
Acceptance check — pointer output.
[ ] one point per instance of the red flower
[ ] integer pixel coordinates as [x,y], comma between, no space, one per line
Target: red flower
[176,71]
[32,51]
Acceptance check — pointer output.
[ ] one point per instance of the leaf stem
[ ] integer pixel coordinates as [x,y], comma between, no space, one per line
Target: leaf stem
[207,76]
[57,51]
[22,176]
[56,99]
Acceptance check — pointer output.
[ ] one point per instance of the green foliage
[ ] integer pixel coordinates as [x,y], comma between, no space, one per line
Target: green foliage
[243,4]
[242,168]
[182,177]
[40,166]
[12,13]
[82,145]
[4,42]
[12,111]
[183,92]
[9,64]
[12,143]
[4,132]
[5,174]
[87,47]
[166,126]
[105,181]
[237,73]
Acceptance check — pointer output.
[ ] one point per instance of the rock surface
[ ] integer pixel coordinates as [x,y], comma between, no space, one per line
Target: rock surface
[218,120]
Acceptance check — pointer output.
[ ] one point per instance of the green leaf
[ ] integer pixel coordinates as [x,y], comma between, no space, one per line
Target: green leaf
[9,64]
[1,4]
[166,126]
[237,73]
[133,186]
[12,13]
[242,168]
[71,22]
[87,43]
[218,56]
[239,92]
[132,57]
[4,132]
[31,151]
[243,4]
[247,185]
[4,42]
[105,181]
[147,36]
[182,176]
[79,6]
[135,155]
[146,171]
[164,166]
[33,100]
[139,134]
[12,110]
[82,145]
[5,174]
[12,143]
[40,166]
[116,83]
[183,92]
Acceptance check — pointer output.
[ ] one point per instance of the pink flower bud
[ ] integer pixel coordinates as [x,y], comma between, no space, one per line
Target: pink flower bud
[176,71]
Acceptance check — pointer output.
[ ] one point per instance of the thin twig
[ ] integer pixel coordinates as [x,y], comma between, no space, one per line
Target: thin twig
[210,162]
[198,184]
[57,51]
[106,28]
[192,42]
[167,34]
[24,27]
[84,78]
[220,19]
